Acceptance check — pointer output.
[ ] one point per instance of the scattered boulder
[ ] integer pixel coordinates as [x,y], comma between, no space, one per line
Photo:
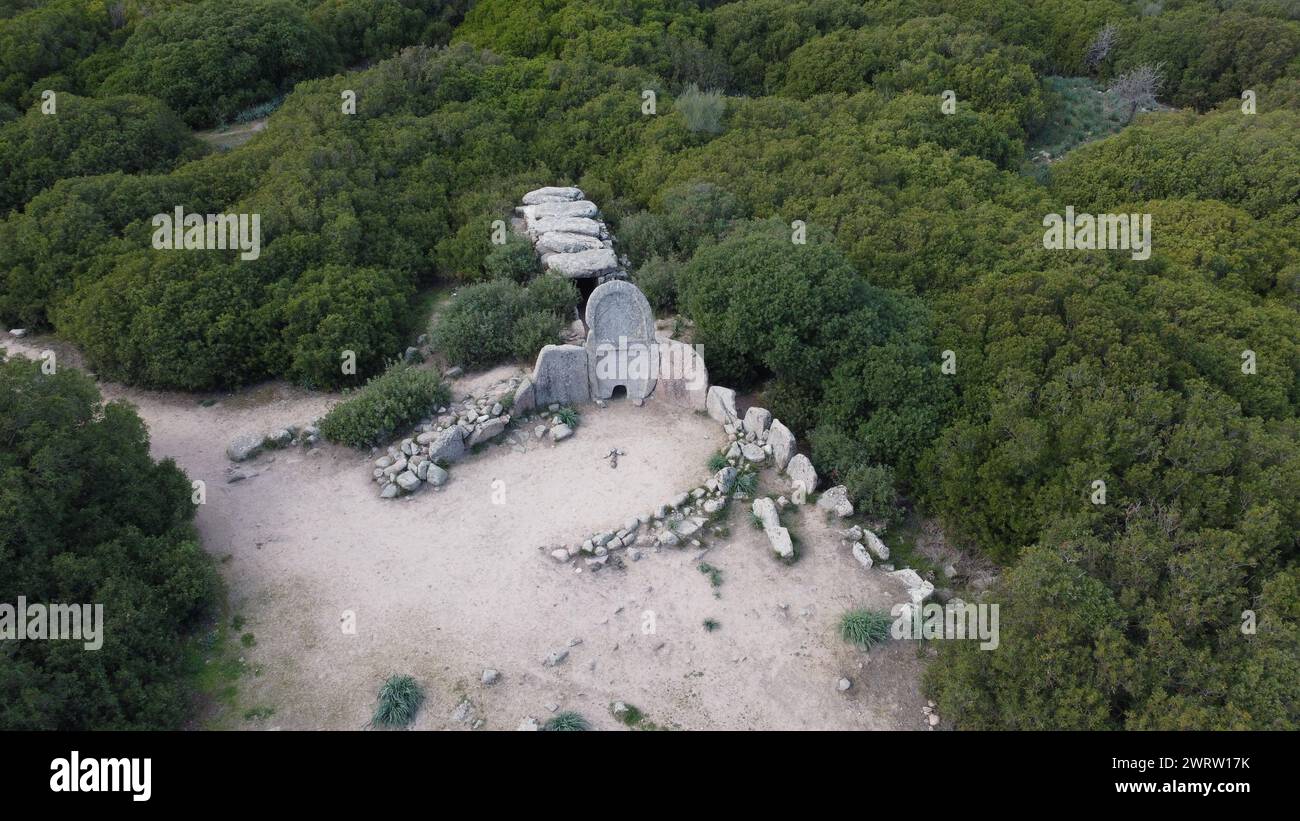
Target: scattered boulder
[561,432]
[488,430]
[244,447]
[447,446]
[490,677]
[860,553]
[752,453]
[765,509]
[757,419]
[836,500]
[801,472]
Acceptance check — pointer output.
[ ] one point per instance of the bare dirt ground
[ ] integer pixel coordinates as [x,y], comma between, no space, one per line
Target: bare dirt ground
[445,584]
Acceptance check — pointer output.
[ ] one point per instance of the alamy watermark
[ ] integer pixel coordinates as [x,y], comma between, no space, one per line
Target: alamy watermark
[53,622]
[209,232]
[1103,232]
[957,620]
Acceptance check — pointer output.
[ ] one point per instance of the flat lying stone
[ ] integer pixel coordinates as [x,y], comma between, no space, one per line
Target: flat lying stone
[563,242]
[545,210]
[567,225]
[583,264]
[552,193]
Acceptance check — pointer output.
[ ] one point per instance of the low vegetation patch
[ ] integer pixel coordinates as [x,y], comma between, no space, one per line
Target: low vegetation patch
[566,722]
[388,403]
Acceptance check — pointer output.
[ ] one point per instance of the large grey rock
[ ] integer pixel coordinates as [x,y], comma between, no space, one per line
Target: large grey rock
[683,377]
[918,589]
[567,225]
[621,349]
[435,475]
[765,509]
[757,419]
[552,193]
[836,500]
[561,432]
[560,375]
[860,553]
[721,405]
[781,440]
[486,431]
[244,447]
[449,446]
[582,264]
[562,242]
[801,472]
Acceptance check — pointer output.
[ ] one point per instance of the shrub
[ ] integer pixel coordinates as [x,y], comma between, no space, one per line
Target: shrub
[567,721]
[389,402]
[207,71]
[88,136]
[534,330]
[865,628]
[399,700]
[338,308]
[702,110]
[493,321]
[657,279]
[515,259]
[717,462]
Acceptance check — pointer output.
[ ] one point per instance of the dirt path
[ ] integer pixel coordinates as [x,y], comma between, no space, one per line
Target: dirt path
[444,584]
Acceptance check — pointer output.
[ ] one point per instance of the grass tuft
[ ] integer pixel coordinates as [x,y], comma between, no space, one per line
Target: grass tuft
[566,722]
[399,700]
[865,628]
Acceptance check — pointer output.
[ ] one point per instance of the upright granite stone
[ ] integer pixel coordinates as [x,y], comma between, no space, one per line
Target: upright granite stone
[621,347]
[782,442]
[560,375]
[721,405]
[683,377]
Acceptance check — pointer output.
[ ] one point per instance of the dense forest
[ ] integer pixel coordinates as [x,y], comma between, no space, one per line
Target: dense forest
[924,236]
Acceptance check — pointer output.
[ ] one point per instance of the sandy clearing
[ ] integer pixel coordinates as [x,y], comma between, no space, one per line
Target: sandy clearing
[446,583]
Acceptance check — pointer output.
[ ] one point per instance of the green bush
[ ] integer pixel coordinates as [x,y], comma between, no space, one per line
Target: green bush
[534,330]
[491,322]
[90,518]
[657,279]
[335,309]
[515,260]
[207,71]
[388,403]
[88,136]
